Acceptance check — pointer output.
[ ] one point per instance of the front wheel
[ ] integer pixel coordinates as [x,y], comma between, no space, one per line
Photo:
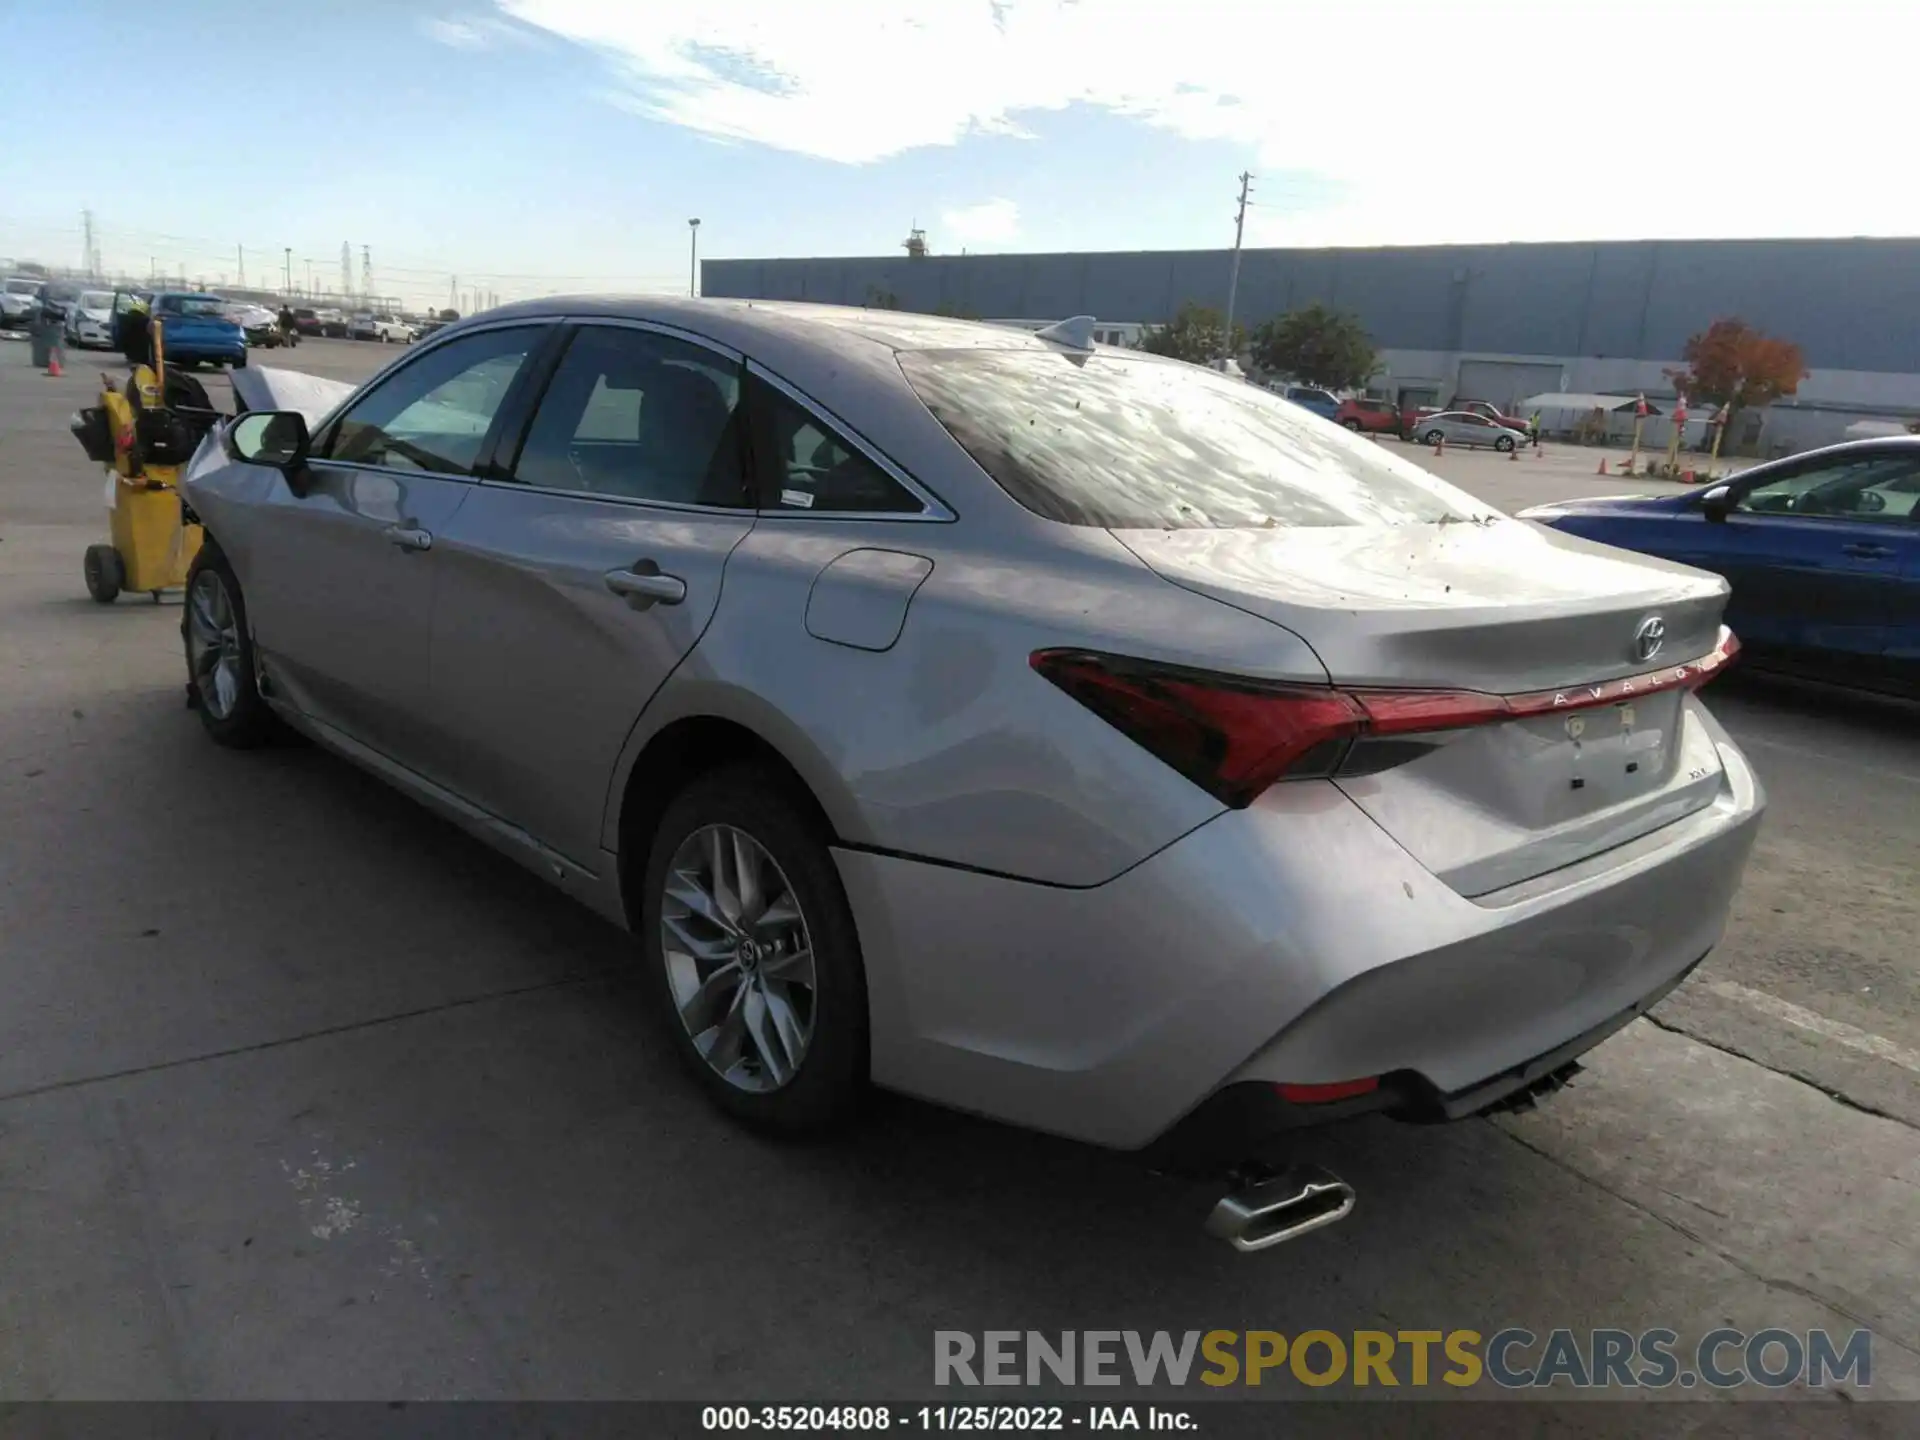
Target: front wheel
[1434,437]
[220,673]
[748,935]
[1504,443]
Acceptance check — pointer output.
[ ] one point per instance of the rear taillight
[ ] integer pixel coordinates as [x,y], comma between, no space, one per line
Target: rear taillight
[1235,737]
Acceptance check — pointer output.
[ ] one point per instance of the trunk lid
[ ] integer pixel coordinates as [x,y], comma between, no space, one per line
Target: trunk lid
[1501,608]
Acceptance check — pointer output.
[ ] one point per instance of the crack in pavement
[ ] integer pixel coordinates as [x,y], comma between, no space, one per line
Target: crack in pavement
[345,1028]
[1771,1282]
[1788,1072]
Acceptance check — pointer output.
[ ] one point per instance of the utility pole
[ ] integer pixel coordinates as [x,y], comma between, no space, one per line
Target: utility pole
[92,258]
[1233,275]
[693,257]
[346,272]
[366,275]
[240,263]
[453,293]
[288,251]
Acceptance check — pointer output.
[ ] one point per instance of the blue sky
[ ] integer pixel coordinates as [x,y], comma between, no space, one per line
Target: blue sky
[529,146]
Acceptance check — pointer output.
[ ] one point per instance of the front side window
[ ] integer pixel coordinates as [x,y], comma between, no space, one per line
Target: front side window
[1870,488]
[434,413]
[1132,443]
[806,468]
[641,416]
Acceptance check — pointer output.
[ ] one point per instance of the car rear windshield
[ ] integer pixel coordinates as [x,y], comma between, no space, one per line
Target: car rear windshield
[1143,444]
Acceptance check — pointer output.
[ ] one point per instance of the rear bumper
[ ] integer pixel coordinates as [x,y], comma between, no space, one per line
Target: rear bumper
[1290,942]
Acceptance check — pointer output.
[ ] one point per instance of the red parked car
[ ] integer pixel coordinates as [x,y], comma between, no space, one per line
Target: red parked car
[1368,417]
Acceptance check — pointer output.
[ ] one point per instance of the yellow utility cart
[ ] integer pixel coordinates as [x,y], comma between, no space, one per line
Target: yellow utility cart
[145,436]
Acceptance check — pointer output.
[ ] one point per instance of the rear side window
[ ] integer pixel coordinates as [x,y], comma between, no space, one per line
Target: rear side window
[1145,444]
[638,415]
[808,468]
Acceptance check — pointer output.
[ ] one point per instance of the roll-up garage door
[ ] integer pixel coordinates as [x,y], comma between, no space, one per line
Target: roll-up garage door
[1505,383]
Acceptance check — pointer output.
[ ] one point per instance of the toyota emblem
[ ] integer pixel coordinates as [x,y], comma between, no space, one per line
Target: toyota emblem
[1648,639]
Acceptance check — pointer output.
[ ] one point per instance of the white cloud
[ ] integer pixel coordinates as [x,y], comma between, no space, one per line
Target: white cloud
[991,222]
[483,32]
[1502,115]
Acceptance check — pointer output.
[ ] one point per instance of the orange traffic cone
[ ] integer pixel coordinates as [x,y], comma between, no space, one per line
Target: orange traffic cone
[1514,453]
[1603,466]
[53,365]
[1439,444]
[1686,477]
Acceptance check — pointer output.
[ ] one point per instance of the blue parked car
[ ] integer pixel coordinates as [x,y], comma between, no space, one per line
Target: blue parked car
[1822,551]
[198,329]
[1323,403]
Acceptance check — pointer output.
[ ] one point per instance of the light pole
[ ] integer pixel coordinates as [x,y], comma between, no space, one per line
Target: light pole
[287,252]
[693,257]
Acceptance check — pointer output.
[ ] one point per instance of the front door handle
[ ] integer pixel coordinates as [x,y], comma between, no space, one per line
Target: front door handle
[1864,551]
[644,585]
[410,537]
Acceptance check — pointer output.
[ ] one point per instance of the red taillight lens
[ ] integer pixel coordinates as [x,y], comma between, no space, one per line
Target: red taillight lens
[1235,738]
[1232,738]
[1327,1094]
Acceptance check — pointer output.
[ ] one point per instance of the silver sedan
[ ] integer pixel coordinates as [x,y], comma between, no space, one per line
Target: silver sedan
[1461,427]
[1063,734]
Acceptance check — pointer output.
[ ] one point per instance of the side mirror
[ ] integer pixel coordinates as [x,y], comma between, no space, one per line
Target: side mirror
[1717,504]
[269,437]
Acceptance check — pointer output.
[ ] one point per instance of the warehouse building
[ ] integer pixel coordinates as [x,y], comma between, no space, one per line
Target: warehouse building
[1489,322]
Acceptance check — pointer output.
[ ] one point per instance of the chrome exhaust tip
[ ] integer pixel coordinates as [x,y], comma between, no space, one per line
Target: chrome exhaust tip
[1274,1209]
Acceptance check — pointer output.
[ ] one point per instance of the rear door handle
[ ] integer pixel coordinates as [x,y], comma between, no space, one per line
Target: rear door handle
[410,537]
[1867,552]
[645,585]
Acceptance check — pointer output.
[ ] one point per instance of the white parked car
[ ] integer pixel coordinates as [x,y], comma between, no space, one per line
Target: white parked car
[19,299]
[90,320]
[384,328]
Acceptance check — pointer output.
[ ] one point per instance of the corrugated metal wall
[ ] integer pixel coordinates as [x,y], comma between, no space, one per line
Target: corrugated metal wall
[1849,304]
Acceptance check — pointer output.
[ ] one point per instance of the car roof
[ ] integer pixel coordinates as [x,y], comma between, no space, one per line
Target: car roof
[735,322]
[188,295]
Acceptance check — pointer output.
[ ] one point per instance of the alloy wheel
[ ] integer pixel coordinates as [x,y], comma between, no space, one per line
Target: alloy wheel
[739,958]
[213,644]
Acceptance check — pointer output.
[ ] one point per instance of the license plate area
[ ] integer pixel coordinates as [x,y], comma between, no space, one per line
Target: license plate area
[1584,760]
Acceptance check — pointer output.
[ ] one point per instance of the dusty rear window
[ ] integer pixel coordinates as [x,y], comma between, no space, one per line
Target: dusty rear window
[1142,444]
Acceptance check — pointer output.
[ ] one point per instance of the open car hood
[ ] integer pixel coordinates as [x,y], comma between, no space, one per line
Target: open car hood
[262,387]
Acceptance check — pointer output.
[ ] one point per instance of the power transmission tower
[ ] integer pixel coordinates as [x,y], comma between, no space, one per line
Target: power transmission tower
[1233,275]
[240,259]
[366,273]
[91,259]
[346,270]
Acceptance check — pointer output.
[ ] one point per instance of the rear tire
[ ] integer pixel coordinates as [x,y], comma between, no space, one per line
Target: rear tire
[1434,437]
[219,652]
[104,573]
[770,1014]
[1353,425]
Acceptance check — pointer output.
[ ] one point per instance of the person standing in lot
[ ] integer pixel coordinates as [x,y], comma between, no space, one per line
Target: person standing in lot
[1533,428]
[49,338]
[289,332]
